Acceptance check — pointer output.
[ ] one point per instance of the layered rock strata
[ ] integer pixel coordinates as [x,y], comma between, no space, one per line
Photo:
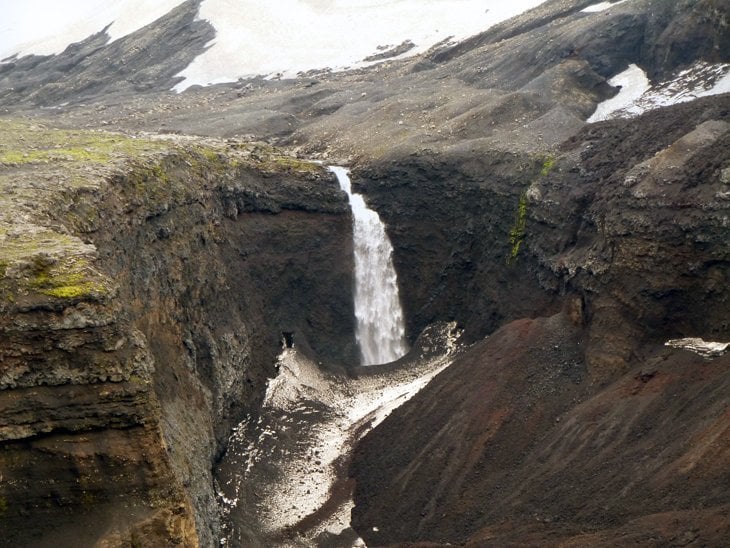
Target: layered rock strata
[146,285]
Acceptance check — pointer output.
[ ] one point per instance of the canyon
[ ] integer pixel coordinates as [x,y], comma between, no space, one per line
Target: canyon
[177,314]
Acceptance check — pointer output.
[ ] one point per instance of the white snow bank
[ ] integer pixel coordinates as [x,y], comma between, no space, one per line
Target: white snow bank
[47,27]
[309,422]
[638,96]
[699,346]
[634,84]
[261,38]
[603,6]
[291,36]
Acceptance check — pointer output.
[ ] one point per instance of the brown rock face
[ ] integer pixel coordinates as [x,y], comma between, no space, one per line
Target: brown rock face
[578,427]
[142,303]
[628,219]
[82,454]
[527,452]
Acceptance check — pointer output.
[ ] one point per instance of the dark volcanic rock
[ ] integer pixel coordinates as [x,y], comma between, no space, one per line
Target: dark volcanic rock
[395,51]
[449,218]
[659,36]
[146,60]
[144,292]
[527,453]
[558,429]
[629,218]
[648,212]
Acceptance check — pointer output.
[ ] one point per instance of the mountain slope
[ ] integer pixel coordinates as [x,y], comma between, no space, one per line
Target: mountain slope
[146,60]
[577,424]
[528,453]
[577,248]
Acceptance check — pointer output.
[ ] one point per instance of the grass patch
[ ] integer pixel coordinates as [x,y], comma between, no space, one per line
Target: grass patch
[517,232]
[70,278]
[547,165]
[26,143]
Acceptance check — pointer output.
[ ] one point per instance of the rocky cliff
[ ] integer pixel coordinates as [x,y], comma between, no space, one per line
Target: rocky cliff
[144,61]
[147,282]
[146,286]
[579,427]
[483,239]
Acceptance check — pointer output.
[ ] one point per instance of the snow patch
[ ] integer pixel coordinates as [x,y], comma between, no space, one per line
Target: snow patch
[289,465]
[287,37]
[637,95]
[47,27]
[253,38]
[699,346]
[603,6]
[634,84]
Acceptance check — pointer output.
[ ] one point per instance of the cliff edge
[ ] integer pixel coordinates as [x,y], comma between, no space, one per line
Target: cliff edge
[145,284]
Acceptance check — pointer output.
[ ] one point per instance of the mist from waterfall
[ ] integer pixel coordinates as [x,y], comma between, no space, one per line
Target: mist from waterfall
[380,328]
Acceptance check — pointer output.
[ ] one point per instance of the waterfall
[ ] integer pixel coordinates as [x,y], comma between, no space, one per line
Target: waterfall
[380,329]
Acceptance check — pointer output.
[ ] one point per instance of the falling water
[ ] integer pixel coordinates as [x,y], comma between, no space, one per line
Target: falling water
[380,330]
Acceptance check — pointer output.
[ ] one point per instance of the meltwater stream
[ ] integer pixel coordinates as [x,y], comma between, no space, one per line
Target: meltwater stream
[380,329]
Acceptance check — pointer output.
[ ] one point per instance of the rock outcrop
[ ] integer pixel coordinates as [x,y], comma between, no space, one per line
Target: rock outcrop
[146,284]
[577,427]
[145,61]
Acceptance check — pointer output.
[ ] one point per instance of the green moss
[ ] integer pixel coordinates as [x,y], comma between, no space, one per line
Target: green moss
[71,278]
[3,506]
[267,158]
[547,165]
[517,232]
[210,154]
[33,242]
[295,164]
[288,163]
[136,379]
[73,291]
[58,154]
[25,143]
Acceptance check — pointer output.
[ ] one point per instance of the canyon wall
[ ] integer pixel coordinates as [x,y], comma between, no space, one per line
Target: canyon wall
[626,220]
[147,286]
[572,424]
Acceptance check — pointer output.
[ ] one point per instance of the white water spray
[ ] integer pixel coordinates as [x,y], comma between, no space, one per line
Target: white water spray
[380,329]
